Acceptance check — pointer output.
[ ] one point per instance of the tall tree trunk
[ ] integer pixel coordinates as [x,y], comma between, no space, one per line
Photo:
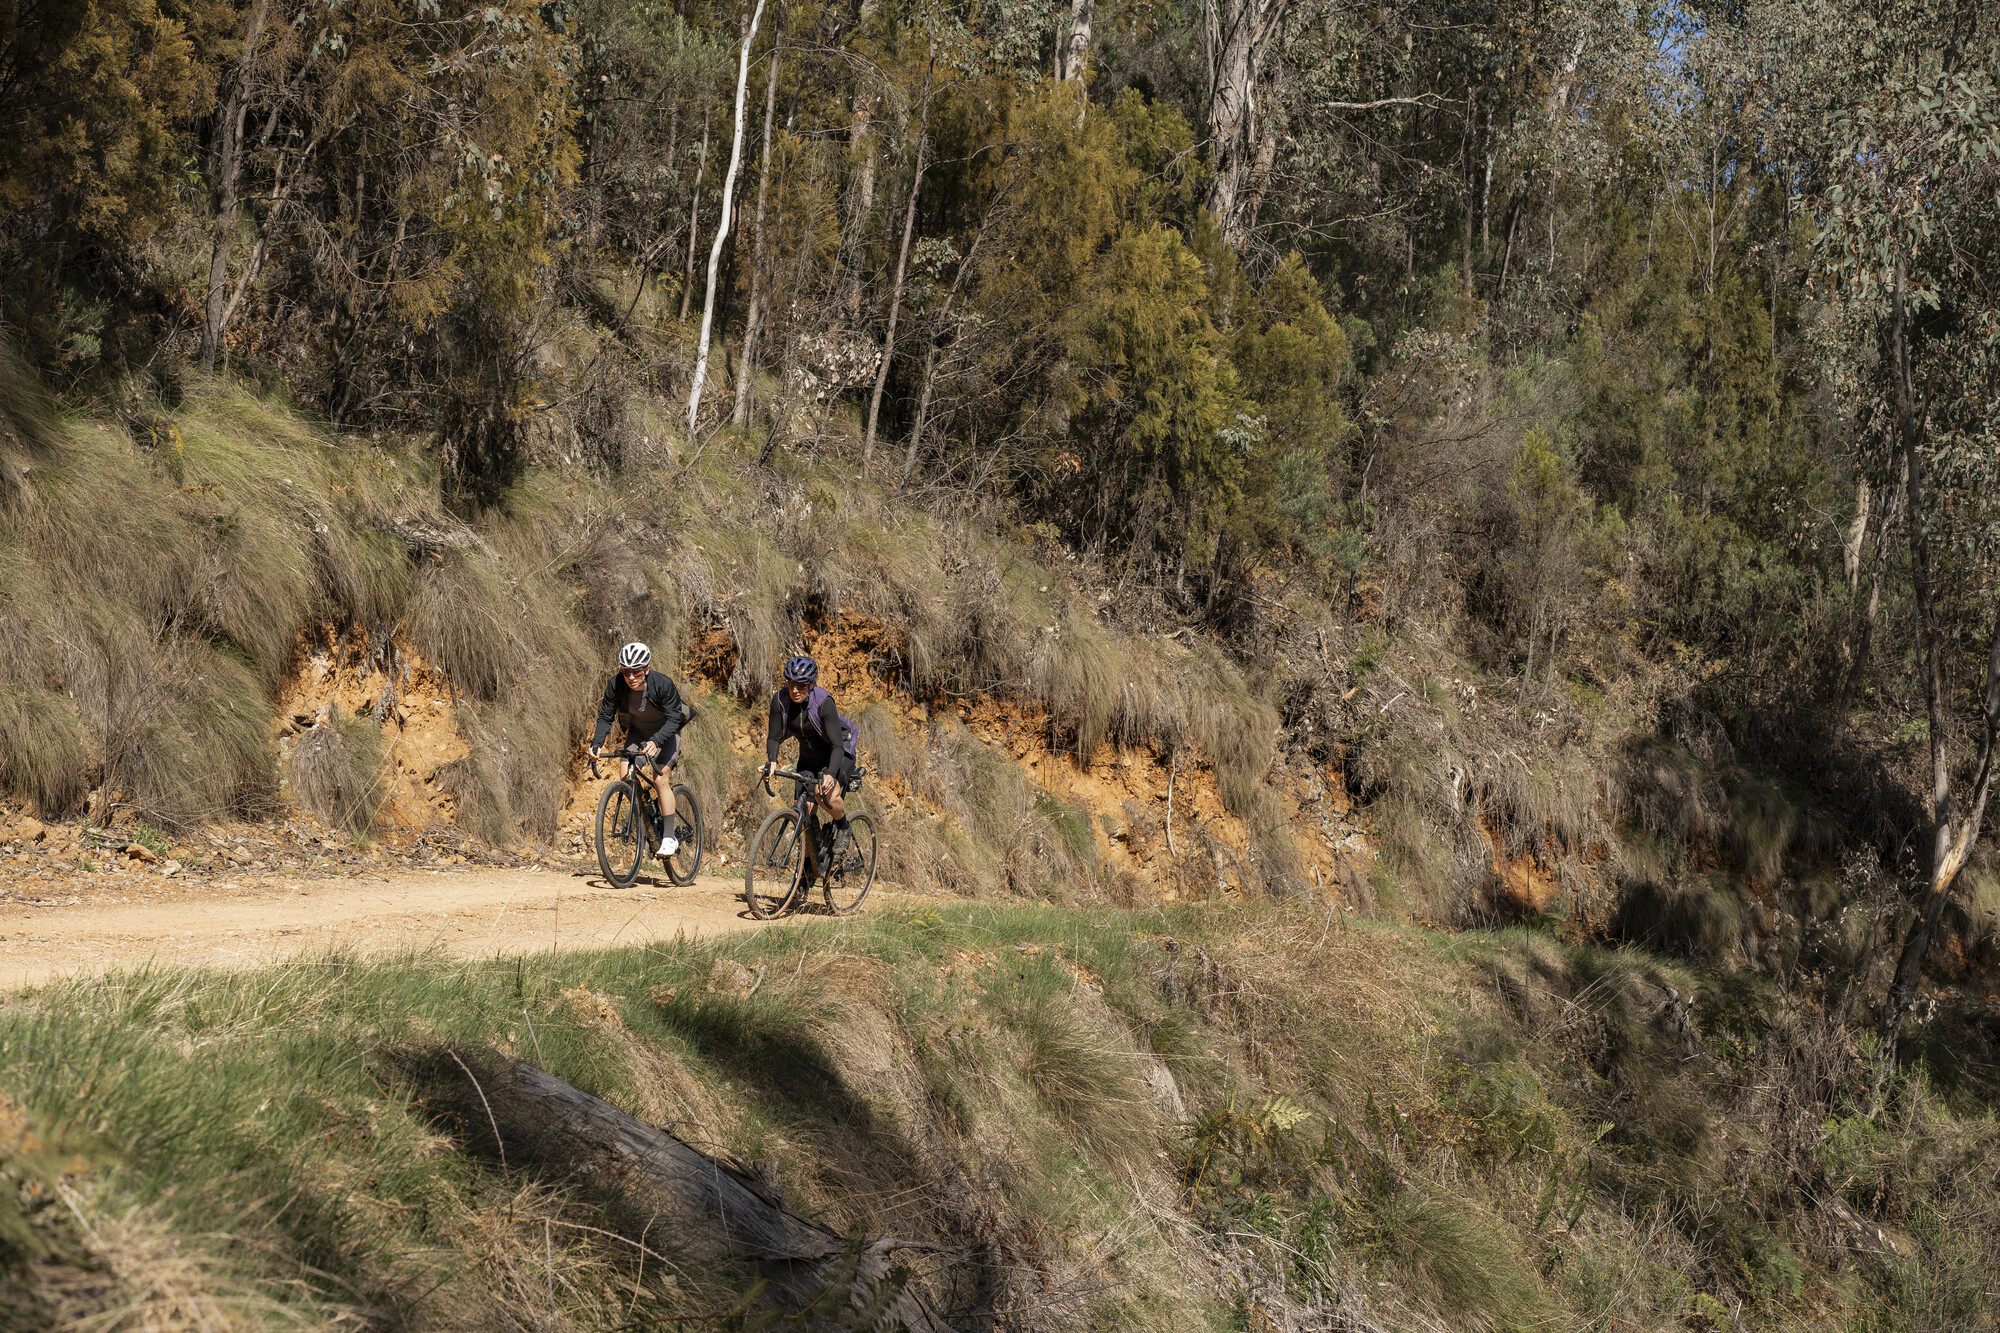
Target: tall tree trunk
[854,247]
[1471,195]
[694,219]
[229,170]
[753,325]
[902,268]
[1507,250]
[1237,35]
[1257,179]
[1858,668]
[931,358]
[1557,97]
[1073,50]
[282,186]
[1857,533]
[1949,848]
[1486,187]
[923,411]
[722,223]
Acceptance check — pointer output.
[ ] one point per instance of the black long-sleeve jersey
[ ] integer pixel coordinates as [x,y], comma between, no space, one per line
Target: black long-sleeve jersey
[820,749]
[653,714]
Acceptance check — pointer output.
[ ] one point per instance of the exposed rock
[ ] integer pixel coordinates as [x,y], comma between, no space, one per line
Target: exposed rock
[732,978]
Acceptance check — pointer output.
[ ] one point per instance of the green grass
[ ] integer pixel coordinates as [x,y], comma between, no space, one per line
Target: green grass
[1479,1131]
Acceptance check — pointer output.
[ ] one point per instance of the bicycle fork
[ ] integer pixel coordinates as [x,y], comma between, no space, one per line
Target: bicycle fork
[809,870]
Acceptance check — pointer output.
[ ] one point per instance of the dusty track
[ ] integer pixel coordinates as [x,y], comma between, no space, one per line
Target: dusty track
[47,932]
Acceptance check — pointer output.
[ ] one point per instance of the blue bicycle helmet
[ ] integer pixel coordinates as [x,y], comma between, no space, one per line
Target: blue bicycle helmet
[801,671]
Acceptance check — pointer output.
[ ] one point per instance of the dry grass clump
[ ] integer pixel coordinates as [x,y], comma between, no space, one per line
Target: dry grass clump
[737,579]
[152,591]
[30,430]
[999,832]
[1090,1086]
[527,680]
[47,748]
[143,1278]
[337,772]
[144,652]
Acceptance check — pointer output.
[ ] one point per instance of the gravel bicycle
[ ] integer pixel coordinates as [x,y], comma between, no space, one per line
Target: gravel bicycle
[628,824]
[793,850]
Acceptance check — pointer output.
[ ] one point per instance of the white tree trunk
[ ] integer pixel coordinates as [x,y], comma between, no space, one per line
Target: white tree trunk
[722,223]
[902,268]
[1074,48]
[753,324]
[694,218]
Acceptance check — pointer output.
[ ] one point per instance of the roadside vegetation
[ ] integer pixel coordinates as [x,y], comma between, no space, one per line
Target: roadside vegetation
[1195,1118]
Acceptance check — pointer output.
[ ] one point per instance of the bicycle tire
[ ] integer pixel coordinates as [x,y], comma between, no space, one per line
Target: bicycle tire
[775,866]
[840,882]
[623,851]
[685,863]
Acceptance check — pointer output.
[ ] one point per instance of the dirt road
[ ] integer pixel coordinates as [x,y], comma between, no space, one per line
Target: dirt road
[49,931]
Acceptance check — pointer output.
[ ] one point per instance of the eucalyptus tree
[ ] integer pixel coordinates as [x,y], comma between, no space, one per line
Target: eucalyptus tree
[1908,250]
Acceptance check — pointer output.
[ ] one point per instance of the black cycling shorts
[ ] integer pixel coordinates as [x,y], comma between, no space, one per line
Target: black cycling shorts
[843,774]
[670,753]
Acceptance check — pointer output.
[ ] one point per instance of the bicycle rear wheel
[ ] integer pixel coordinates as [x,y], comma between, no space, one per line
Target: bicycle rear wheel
[847,883]
[621,834]
[683,864]
[777,861]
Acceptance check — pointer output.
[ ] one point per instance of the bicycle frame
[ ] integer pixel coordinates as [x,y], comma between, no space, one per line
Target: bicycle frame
[646,797]
[806,803]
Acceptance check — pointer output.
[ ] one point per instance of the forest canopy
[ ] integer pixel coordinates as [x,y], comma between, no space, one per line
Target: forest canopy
[1215,293]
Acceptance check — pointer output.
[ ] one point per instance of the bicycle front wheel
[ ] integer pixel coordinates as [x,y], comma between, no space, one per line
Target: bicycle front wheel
[777,860]
[683,864]
[621,834]
[847,883]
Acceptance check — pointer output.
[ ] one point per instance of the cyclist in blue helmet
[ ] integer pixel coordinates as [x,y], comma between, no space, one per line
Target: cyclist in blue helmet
[804,712]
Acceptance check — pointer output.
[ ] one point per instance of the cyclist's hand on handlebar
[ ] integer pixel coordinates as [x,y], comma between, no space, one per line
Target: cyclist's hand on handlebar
[649,749]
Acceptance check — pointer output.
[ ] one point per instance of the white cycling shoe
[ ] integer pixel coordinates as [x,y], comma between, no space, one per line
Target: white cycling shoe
[669,845]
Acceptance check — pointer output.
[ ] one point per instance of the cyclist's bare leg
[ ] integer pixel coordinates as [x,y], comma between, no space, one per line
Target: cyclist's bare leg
[831,797]
[663,785]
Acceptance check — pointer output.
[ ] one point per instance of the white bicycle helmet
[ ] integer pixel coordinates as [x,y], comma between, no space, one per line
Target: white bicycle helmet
[635,655]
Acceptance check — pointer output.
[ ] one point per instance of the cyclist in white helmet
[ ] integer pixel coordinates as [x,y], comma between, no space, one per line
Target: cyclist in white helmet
[649,707]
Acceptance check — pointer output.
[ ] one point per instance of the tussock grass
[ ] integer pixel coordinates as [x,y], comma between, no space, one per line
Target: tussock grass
[338,772]
[1451,1257]
[1472,1131]
[140,656]
[152,594]
[1001,834]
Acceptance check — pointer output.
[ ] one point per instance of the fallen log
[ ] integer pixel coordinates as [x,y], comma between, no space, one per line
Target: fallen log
[653,1184]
